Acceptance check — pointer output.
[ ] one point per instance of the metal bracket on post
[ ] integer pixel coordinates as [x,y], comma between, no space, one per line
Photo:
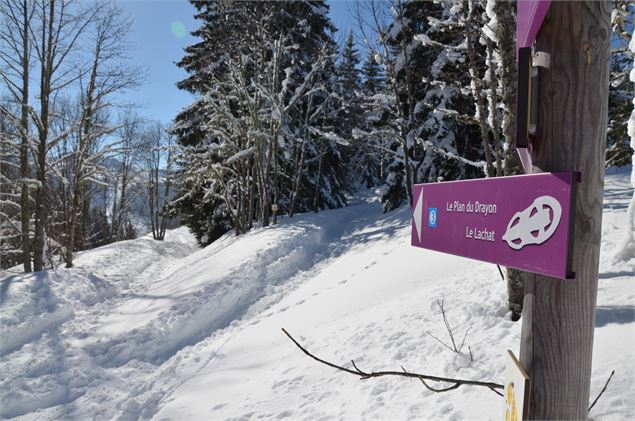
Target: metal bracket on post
[523,108]
[527,105]
[541,59]
[538,59]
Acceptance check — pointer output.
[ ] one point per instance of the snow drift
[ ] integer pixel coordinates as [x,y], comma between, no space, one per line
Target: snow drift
[143,329]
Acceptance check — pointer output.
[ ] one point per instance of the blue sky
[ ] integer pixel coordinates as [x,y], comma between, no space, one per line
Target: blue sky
[160,31]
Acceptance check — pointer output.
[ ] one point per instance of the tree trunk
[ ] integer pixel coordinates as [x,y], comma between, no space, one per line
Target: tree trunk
[493,85]
[84,144]
[511,165]
[40,199]
[83,231]
[113,217]
[506,43]
[25,204]
[559,315]
[298,178]
[76,205]
[316,195]
[46,69]
[151,205]
[478,97]
[515,291]
[266,198]
[119,235]
[298,175]
[274,209]
[252,198]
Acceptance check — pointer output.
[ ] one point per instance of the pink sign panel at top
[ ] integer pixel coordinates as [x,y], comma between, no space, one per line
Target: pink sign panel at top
[529,17]
[522,222]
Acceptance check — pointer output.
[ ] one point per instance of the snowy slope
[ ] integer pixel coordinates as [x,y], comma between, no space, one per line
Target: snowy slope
[164,330]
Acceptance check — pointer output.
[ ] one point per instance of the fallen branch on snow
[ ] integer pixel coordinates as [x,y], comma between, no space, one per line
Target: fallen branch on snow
[423,377]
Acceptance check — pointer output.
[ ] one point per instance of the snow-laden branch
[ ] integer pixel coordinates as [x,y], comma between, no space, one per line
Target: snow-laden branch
[429,145]
[425,40]
[245,153]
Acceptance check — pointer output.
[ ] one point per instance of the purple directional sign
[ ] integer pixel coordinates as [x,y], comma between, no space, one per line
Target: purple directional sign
[529,17]
[522,222]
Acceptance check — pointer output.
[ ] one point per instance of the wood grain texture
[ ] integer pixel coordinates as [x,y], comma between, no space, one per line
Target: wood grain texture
[559,316]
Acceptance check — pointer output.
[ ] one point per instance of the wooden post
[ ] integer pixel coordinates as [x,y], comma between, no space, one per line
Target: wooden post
[559,315]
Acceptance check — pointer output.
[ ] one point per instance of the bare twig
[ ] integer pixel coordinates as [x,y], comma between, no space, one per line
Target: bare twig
[464,338]
[501,272]
[452,348]
[447,324]
[440,341]
[602,391]
[363,375]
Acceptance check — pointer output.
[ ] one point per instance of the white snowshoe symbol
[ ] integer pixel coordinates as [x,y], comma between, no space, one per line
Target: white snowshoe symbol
[534,225]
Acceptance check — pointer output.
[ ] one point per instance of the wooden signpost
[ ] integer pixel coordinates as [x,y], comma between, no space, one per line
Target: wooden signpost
[559,317]
[562,130]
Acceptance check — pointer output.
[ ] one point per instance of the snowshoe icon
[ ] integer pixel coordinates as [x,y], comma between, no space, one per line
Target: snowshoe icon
[534,225]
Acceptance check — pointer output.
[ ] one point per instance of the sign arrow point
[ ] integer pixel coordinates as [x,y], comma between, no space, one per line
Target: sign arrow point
[418,214]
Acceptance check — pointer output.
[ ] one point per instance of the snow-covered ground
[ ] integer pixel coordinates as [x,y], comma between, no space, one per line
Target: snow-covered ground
[164,330]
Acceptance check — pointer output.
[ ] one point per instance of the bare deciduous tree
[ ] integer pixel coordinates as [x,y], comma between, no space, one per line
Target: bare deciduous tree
[158,160]
[15,62]
[107,74]
[55,31]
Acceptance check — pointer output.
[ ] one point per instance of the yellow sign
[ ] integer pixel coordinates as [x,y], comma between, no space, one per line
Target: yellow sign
[511,414]
[516,390]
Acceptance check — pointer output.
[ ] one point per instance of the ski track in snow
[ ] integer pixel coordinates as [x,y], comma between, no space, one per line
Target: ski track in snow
[164,330]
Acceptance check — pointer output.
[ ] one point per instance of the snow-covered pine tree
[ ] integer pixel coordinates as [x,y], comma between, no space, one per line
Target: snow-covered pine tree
[258,133]
[626,248]
[447,109]
[369,135]
[348,87]
[393,110]
[374,79]
[618,150]
[328,175]
[360,156]
[437,136]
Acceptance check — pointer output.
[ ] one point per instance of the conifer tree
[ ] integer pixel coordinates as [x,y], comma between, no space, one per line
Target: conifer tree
[436,136]
[260,138]
[618,150]
[373,75]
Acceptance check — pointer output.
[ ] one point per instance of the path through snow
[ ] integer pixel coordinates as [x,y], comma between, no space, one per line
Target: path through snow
[164,330]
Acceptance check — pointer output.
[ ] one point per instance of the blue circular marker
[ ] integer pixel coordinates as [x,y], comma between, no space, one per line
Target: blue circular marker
[432,217]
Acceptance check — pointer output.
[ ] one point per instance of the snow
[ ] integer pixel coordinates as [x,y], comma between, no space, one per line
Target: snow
[397,26]
[491,27]
[423,39]
[144,329]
